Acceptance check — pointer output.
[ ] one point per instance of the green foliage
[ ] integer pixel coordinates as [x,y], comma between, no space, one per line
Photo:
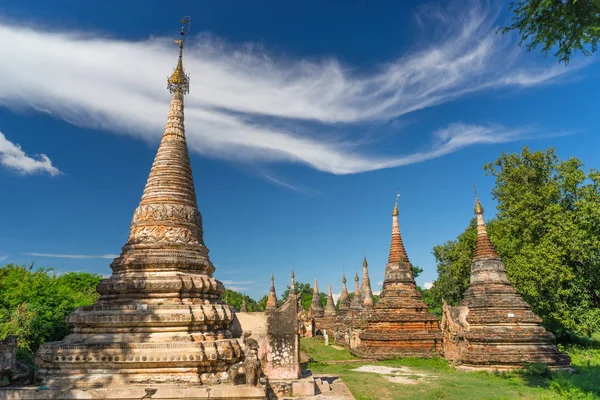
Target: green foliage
[416,271]
[547,232]
[235,299]
[564,25]
[453,260]
[435,307]
[34,303]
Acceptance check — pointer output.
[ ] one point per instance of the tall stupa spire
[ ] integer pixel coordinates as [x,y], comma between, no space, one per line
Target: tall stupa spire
[367,293]
[330,306]
[356,303]
[484,248]
[398,268]
[397,251]
[167,224]
[146,319]
[293,282]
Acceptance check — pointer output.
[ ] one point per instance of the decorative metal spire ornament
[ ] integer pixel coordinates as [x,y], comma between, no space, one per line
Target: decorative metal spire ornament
[179,81]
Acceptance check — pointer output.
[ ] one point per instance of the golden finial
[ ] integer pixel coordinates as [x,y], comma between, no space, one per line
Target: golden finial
[365,263]
[344,278]
[478,206]
[179,81]
[395,212]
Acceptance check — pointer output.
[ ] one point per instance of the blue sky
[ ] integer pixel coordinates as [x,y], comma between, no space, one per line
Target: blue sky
[303,121]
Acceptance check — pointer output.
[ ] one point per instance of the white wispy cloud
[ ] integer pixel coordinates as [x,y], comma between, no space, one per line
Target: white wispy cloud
[249,105]
[228,282]
[427,285]
[4,257]
[13,157]
[74,256]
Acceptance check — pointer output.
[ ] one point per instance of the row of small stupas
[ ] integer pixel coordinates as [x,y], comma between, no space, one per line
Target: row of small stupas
[493,328]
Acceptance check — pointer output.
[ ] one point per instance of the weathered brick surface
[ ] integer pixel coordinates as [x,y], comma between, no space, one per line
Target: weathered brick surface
[160,318]
[494,328]
[400,324]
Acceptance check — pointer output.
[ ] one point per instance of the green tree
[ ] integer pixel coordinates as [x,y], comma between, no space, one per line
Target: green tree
[547,232]
[564,25]
[416,271]
[235,299]
[34,303]
[453,260]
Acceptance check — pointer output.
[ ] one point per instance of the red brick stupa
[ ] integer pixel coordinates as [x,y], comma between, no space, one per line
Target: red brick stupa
[401,324]
[494,328]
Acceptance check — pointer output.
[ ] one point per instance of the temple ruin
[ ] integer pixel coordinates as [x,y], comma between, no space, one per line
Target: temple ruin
[401,324]
[159,322]
[494,328]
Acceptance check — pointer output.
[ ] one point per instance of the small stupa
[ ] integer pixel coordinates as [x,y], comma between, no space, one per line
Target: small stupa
[401,324]
[244,307]
[367,294]
[356,303]
[272,298]
[160,319]
[330,310]
[344,305]
[316,307]
[494,328]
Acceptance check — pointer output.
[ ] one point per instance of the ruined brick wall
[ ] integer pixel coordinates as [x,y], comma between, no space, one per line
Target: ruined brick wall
[277,334]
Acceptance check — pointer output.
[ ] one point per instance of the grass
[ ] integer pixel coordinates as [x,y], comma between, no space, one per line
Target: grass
[444,382]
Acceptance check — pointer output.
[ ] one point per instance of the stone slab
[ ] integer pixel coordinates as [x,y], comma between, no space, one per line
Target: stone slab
[137,392]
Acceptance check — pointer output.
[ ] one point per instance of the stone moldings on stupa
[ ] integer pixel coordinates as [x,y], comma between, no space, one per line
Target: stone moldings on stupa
[160,319]
[401,324]
[494,328]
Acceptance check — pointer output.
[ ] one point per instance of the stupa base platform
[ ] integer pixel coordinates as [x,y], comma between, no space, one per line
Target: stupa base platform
[148,391]
[390,352]
[506,356]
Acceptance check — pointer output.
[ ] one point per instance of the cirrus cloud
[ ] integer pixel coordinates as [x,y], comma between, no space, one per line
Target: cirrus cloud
[248,105]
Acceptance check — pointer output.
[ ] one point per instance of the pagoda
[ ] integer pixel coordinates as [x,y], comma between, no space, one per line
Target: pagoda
[272,298]
[159,319]
[366,292]
[316,307]
[330,310]
[401,324]
[344,305]
[356,302]
[494,328]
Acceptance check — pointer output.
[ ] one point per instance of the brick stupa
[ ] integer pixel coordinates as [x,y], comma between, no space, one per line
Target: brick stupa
[366,292]
[494,328]
[272,298]
[401,324]
[159,319]
[344,304]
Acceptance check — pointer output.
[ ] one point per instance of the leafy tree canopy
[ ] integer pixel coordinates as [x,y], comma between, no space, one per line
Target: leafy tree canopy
[34,303]
[564,25]
[547,232]
[235,299]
